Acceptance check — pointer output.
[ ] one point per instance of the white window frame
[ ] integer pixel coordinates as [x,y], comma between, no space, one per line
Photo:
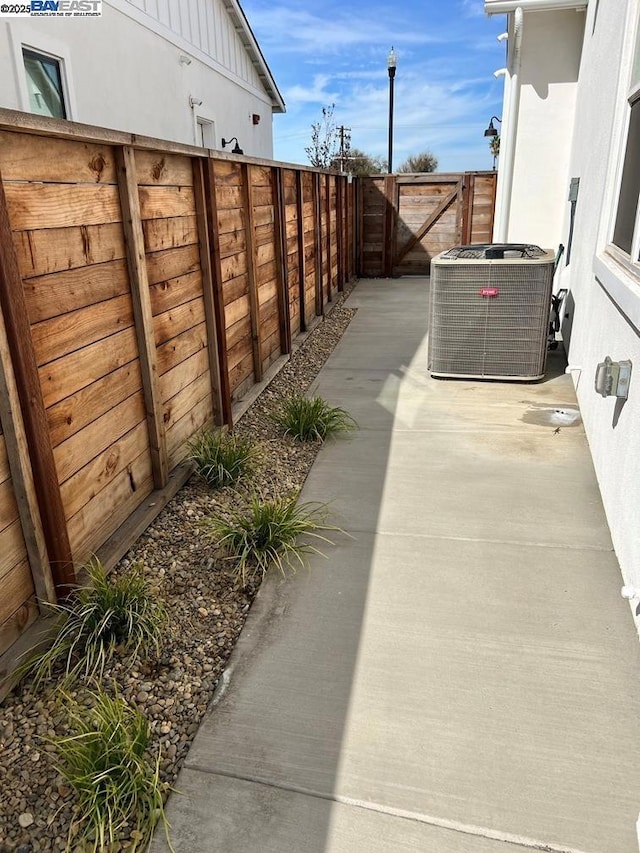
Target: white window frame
[200,118]
[631,94]
[28,52]
[613,268]
[24,37]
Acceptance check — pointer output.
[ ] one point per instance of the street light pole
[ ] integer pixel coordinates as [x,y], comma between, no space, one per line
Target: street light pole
[392,61]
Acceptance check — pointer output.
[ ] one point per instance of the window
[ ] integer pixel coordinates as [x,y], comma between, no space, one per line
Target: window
[205,133]
[44,84]
[626,216]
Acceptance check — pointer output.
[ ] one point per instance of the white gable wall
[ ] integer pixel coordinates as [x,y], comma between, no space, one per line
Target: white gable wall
[578,130]
[124,71]
[550,59]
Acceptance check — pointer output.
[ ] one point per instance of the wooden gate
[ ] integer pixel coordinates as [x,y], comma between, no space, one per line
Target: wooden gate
[407,219]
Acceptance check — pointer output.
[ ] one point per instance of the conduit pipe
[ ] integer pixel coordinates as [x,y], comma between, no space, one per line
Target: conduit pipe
[508,139]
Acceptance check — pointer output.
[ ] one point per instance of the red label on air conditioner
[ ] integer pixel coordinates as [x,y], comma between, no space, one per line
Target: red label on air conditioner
[489,291]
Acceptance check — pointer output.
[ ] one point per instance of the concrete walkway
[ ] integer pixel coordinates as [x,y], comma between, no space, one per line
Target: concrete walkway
[459,677]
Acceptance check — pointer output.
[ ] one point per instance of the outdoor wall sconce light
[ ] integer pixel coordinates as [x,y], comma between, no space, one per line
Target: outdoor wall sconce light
[255,118]
[236,148]
[492,130]
[184,59]
[194,102]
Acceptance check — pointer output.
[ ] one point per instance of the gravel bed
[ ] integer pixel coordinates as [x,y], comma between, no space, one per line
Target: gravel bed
[207,611]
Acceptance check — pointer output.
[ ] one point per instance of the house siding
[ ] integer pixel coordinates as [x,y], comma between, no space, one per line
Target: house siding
[602,323]
[124,71]
[568,129]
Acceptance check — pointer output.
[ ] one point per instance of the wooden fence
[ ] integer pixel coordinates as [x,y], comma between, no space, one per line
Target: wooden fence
[407,219]
[145,287]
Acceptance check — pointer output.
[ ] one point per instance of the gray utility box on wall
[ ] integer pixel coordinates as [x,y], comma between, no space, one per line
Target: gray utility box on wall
[489,312]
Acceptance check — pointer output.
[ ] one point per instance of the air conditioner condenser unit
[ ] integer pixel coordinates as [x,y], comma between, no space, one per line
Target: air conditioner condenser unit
[489,312]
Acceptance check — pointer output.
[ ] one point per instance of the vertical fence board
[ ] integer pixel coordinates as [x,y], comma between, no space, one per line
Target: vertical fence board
[134,242]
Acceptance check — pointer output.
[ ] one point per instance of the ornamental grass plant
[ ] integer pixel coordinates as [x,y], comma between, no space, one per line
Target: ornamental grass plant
[105,758]
[221,457]
[120,615]
[268,532]
[312,418]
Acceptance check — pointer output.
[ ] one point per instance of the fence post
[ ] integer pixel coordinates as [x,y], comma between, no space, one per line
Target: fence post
[327,209]
[360,226]
[302,263]
[36,427]
[318,244]
[282,265]
[209,178]
[254,308]
[390,210]
[467,198]
[340,224]
[208,289]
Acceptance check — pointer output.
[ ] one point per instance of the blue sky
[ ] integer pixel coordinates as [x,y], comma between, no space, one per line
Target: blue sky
[335,52]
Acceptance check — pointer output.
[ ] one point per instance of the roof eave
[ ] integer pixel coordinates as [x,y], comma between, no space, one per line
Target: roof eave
[502,7]
[245,33]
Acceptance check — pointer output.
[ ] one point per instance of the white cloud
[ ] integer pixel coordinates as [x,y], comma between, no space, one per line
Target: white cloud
[296,30]
[317,93]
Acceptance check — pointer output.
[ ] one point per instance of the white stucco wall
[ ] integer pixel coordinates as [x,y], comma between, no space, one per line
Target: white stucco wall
[606,316]
[550,60]
[124,75]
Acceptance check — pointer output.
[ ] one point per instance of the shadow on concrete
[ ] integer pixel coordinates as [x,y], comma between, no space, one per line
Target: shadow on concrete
[442,681]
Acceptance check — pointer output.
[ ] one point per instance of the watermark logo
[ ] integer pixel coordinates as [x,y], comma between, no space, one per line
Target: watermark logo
[52,9]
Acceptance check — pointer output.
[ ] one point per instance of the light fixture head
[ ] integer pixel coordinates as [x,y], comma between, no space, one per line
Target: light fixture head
[194,102]
[236,148]
[492,130]
[392,59]
[184,59]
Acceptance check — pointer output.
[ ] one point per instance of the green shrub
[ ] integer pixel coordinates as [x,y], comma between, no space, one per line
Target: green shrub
[105,759]
[312,418]
[122,614]
[268,532]
[222,457]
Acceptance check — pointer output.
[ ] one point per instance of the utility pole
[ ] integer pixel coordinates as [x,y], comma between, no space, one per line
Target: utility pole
[345,141]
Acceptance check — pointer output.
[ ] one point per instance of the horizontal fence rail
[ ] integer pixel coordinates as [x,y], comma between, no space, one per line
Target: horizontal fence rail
[145,287]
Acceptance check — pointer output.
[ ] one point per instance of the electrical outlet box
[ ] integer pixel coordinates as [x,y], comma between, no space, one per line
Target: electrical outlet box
[574,186]
[613,378]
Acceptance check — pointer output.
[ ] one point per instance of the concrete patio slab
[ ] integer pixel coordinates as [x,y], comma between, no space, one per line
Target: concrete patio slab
[504,487]
[483,704]
[459,676]
[249,816]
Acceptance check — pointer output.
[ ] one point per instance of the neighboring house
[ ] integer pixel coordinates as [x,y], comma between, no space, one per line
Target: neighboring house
[188,71]
[572,113]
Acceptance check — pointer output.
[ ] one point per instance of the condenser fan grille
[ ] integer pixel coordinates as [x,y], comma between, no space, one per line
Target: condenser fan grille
[490,318]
